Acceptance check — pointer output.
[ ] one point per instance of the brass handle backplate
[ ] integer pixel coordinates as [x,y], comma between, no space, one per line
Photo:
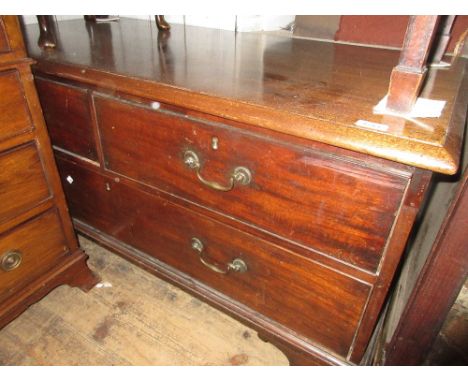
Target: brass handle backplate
[236,265]
[10,260]
[240,175]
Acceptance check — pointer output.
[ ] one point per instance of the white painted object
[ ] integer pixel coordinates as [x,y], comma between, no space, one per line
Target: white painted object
[104,284]
[371,125]
[423,108]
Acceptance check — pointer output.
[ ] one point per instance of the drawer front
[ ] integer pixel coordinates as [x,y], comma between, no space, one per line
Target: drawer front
[22,181]
[4,46]
[11,40]
[36,245]
[320,201]
[67,116]
[305,296]
[14,112]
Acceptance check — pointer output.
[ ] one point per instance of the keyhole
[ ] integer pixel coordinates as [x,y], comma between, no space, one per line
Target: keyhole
[214,143]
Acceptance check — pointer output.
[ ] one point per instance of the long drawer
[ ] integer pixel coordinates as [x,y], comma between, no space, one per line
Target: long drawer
[28,250]
[303,295]
[323,202]
[23,183]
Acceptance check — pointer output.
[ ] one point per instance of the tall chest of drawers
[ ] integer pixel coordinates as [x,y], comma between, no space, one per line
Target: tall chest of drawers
[38,248]
[241,184]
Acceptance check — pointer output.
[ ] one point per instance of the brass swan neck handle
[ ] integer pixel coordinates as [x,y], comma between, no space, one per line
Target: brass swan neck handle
[236,265]
[240,175]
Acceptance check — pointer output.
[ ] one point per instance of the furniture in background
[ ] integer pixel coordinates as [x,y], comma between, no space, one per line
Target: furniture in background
[47,36]
[38,247]
[249,170]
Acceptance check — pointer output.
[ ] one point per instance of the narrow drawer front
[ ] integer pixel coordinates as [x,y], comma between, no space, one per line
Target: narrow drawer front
[320,201]
[4,46]
[67,116]
[27,251]
[22,181]
[14,112]
[305,296]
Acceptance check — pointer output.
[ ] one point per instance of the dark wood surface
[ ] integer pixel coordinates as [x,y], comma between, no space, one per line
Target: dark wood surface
[41,242]
[164,230]
[436,285]
[23,184]
[14,114]
[322,224]
[132,198]
[4,45]
[252,78]
[71,270]
[67,116]
[408,76]
[320,201]
[38,247]
[298,349]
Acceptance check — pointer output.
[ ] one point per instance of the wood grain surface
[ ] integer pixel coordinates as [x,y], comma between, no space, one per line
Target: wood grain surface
[312,89]
[14,114]
[67,117]
[41,243]
[134,319]
[321,201]
[38,247]
[23,184]
[11,42]
[310,299]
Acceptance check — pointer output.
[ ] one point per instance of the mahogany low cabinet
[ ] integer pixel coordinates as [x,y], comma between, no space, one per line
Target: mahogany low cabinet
[297,239]
[248,169]
[38,247]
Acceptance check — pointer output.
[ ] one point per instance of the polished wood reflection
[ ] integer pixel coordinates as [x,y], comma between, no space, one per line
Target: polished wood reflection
[312,89]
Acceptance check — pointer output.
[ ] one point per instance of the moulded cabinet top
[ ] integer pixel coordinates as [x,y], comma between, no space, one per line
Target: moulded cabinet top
[311,89]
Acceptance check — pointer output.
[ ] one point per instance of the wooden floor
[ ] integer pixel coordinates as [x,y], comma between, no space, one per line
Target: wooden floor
[134,318]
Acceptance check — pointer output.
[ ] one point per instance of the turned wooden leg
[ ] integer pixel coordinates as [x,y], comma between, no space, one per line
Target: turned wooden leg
[162,24]
[47,37]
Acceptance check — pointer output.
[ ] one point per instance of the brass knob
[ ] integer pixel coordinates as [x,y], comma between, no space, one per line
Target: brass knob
[11,260]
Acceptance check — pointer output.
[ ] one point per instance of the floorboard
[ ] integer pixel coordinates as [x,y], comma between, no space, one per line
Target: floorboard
[134,318]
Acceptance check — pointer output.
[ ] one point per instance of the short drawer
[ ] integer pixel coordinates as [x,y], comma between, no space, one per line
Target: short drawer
[29,250]
[303,295]
[23,184]
[4,46]
[11,40]
[321,201]
[67,116]
[14,112]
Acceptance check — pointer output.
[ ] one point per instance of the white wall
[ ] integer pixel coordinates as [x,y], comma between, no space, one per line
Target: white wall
[241,23]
